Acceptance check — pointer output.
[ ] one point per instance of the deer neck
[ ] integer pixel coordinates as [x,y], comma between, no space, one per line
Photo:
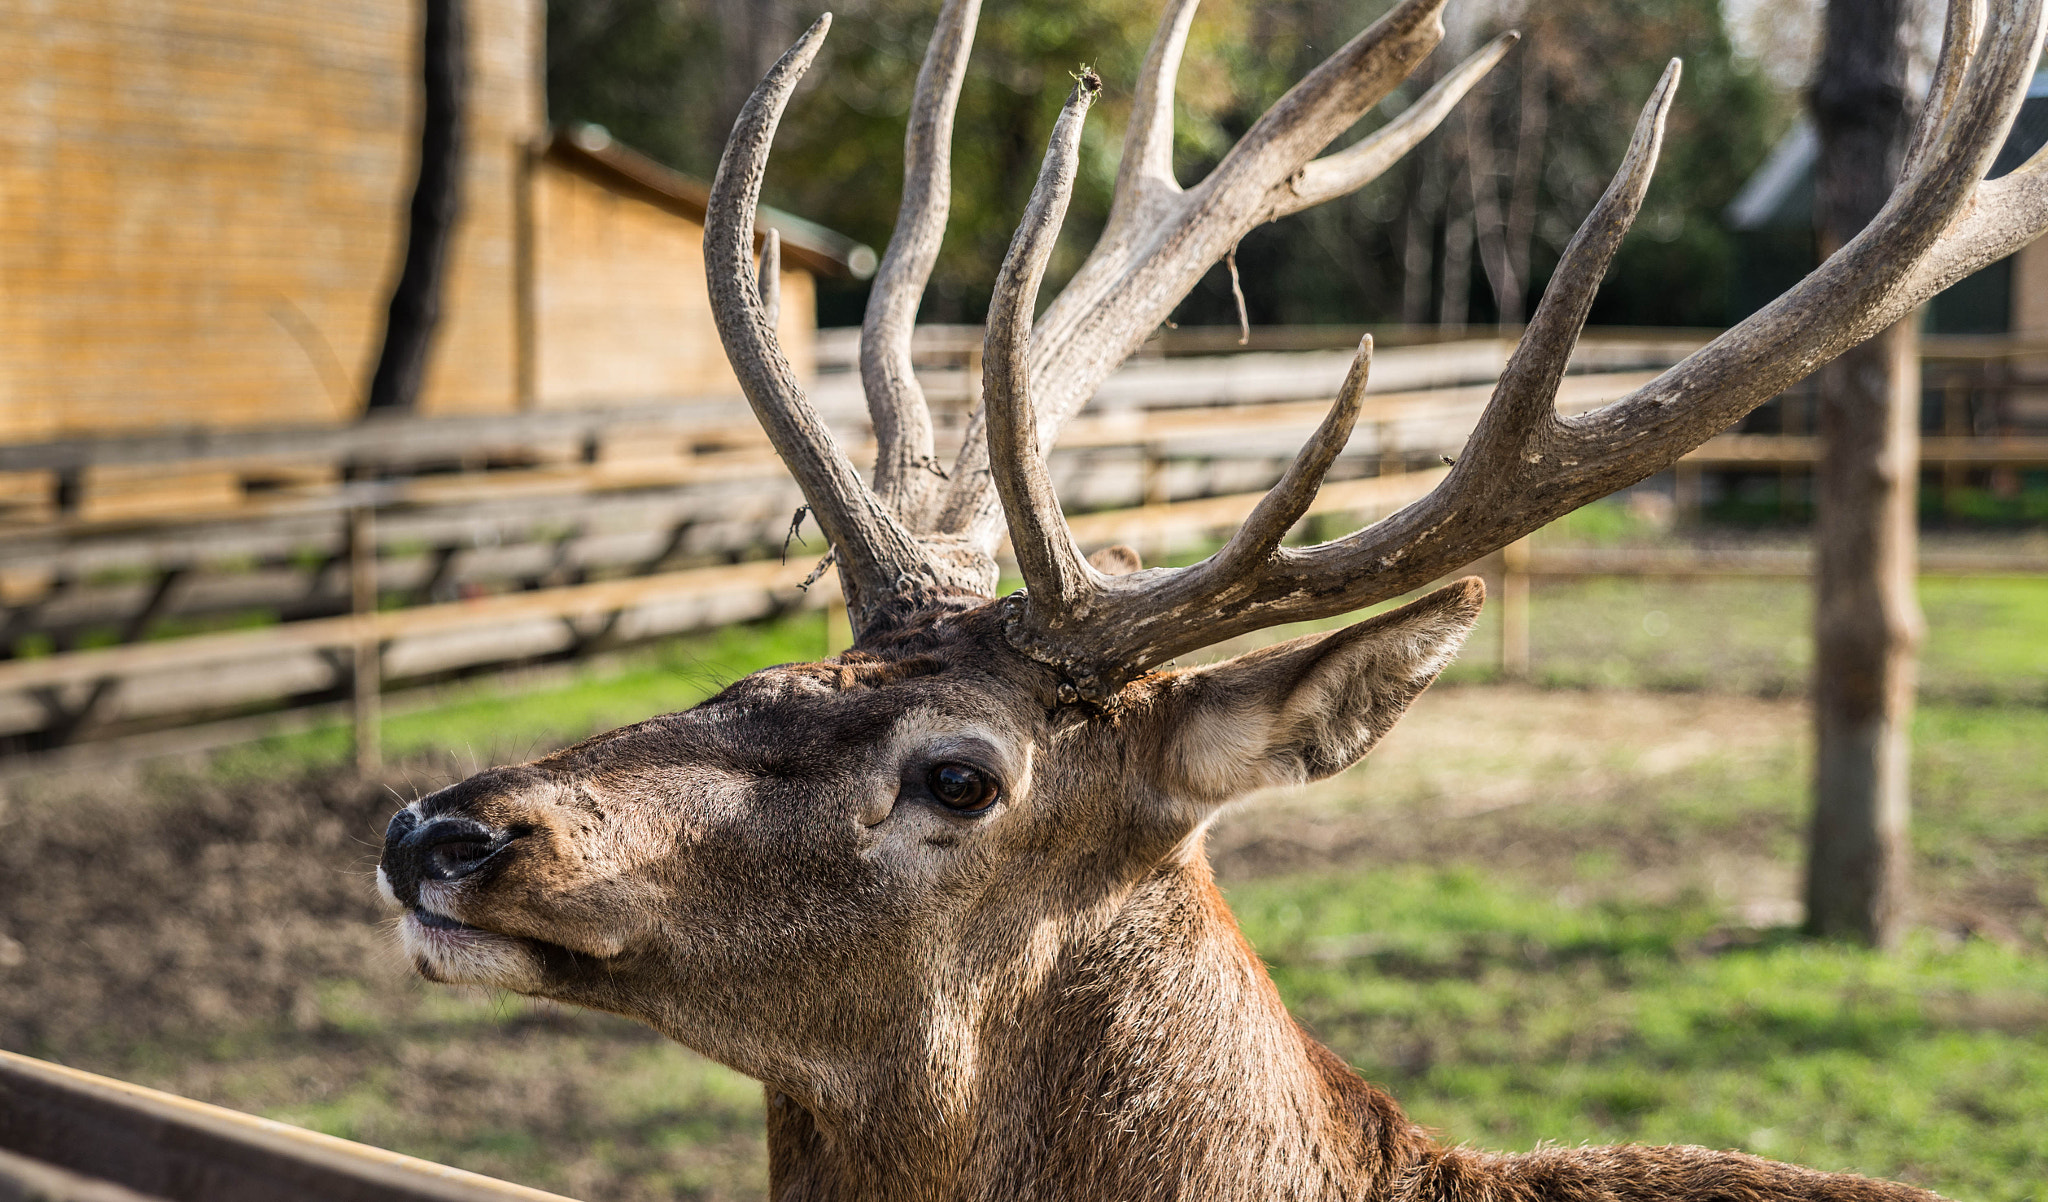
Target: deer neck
[1152,1059]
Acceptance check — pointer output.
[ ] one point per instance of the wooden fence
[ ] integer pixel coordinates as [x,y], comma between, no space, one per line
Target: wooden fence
[71,1136]
[321,567]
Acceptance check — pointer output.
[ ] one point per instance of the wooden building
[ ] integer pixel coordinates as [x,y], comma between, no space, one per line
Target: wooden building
[1772,218]
[201,215]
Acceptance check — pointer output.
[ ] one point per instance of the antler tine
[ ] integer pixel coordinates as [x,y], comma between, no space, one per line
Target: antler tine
[1523,400]
[1282,506]
[1255,582]
[2009,212]
[1055,573]
[1958,40]
[1874,280]
[1329,99]
[1146,171]
[1142,267]
[1938,221]
[770,284]
[880,563]
[1366,160]
[896,402]
[1937,226]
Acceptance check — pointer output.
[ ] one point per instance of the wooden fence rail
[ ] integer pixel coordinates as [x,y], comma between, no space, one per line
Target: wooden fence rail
[550,536]
[71,1136]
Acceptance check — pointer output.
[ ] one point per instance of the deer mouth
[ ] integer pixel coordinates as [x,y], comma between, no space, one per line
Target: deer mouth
[440,922]
[450,951]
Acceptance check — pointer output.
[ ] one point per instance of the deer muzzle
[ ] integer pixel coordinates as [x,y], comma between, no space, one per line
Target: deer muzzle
[445,849]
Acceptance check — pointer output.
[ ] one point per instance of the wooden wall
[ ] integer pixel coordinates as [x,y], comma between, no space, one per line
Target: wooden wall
[201,204]
[621,310]
[2030,291]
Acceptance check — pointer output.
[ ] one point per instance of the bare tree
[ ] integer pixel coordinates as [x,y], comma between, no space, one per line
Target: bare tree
[1866,616]
[415,309]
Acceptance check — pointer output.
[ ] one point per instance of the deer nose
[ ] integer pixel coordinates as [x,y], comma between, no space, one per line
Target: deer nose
[445,849]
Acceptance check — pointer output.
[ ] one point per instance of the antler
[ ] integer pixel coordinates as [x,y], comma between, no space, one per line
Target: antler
[1524,465]
[882,565]
[1161,239]
[896,404]
[904,541]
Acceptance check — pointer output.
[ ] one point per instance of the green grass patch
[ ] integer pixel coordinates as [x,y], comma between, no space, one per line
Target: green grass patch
[1986,642]
[1505,1018]
[495,719]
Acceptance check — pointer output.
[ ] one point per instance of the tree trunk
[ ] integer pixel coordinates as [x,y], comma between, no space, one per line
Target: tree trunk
[1489,223]
[1866,616]
[1455,300]
[1521,219]
[1419,232]
[436,203]
[752,34]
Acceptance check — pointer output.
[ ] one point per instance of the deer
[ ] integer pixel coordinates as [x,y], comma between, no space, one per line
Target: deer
[945,894]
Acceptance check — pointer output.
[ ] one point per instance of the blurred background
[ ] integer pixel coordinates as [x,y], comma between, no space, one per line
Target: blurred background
[362,423]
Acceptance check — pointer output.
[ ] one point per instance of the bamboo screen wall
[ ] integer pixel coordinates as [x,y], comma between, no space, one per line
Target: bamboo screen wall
[201,204]
[621,310]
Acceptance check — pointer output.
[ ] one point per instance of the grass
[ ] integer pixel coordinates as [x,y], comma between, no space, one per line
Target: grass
[1987,637]
[1987,643]
[1506,1019]
[493,720]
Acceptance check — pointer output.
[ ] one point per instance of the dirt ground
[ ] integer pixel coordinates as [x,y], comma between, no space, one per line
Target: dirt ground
[1551,780]
[175,929]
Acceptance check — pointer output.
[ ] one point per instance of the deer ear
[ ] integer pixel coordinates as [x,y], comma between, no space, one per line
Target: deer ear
[1307,708]
[1117,559]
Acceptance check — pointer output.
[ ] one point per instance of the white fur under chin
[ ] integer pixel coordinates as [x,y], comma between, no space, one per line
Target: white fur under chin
[468,956]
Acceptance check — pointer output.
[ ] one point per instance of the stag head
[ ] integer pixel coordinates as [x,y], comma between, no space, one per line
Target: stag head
[946,893]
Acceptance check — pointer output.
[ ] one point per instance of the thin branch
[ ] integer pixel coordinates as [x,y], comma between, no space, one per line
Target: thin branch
[1528,173]
[896,402]
[1051,563]
[818,571]
[1482,176]
[1244,321]
[1367,159]
[796,524]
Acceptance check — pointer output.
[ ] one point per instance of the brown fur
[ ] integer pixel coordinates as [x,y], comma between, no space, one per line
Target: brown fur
[1046,1000]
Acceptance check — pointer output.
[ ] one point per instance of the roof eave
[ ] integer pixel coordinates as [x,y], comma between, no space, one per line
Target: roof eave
[591,152]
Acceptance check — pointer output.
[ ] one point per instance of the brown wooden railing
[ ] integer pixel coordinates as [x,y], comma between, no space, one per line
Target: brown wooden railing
[318,568]
[71,1136]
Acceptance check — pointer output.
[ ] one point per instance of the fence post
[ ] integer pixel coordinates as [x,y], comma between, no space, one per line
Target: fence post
[1955,424]
[1686,492]
[1514,609]
[838,627]
[366,683]
[1156,489]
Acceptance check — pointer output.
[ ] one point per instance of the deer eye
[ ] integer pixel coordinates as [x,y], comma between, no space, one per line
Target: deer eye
[962,787]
